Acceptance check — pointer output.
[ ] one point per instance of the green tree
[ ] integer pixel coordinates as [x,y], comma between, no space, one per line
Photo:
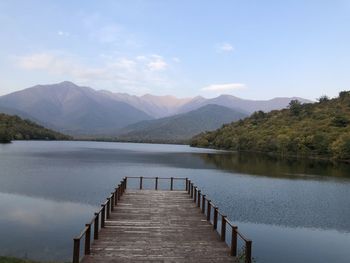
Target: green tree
[295,107]
[340,121]
[323,98]
[341,147]
[5,136]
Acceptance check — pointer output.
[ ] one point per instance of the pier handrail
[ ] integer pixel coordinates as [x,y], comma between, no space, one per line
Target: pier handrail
[98,221]
[207,207]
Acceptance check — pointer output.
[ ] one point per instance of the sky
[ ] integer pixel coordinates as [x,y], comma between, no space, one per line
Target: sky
[252,49]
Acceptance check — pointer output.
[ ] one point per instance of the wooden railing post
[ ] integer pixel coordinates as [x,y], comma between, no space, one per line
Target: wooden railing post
[195,195]
[208,210]
[223,228]
[203,204]
[156,186]
[116,196]
[215,222]
[108,206]
[76,250]
[87,239]
[192,188]
[126,182]
[112,201]
[248,251]
[171,183]
[189,187]
[199,198]
[141,182]
[234,241]
[96,225]
[119,192]
[186,184]
[103,215]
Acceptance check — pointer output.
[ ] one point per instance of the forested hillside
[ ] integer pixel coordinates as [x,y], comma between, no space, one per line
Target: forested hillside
[180,128]
[15,128]
[319,129]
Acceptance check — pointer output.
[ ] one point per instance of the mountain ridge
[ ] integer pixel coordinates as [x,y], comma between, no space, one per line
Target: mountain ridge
[73,109]
[80,110]
[180,127]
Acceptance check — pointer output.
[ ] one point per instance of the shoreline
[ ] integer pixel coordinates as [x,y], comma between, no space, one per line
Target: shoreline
[272,154]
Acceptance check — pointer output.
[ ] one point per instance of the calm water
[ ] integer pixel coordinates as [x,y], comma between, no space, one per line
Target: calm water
[294,211]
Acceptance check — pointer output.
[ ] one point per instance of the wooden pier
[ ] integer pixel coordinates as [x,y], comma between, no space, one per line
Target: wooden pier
[174,225]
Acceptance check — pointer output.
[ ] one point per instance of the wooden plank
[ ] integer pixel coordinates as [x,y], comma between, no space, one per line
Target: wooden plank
[157,226]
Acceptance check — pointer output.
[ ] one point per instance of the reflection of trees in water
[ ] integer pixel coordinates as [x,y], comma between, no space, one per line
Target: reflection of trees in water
[274,166]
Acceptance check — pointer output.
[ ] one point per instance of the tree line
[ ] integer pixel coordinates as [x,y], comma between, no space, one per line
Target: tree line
[320,129]
[15,128]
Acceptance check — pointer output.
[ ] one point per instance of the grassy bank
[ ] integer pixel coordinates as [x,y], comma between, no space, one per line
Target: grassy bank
[4,259]
[15,260]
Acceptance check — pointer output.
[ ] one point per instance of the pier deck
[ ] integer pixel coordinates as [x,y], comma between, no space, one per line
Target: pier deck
[157,226]
[137,225]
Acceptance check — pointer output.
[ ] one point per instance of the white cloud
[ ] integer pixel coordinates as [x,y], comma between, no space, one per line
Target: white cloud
[102,31]
[157,63]
[108,34]
[176,59]
[225,47]
[36,61]
[135,74]
[224,87]
[141,57]
[63,33]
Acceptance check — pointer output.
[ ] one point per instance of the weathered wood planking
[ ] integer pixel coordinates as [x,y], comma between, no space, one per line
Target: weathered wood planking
[157,226]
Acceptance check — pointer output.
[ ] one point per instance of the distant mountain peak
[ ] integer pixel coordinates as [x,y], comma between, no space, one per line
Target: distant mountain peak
[180,127]
[147,95]
[73,109]
[228,96]
[67,82]
[79,109]
[198,98]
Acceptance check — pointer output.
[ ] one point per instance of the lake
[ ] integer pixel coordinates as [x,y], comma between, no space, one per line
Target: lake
[293,210]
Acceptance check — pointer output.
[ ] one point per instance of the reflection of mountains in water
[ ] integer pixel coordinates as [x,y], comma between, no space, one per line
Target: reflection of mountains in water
[278,167]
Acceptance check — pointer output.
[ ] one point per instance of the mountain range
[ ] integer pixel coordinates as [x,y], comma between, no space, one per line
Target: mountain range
[181,127]
[79,111]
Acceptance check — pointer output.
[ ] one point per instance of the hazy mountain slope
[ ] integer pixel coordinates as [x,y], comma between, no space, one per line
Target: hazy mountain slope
[155,106]
[84,111]
[164,106]
[23,115]
[73,109]
[180,127]
[313,129]
[248,106]
[13,127]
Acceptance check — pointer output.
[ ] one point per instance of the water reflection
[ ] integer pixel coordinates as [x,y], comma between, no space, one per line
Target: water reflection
[291,245]
[49,190]
[274,166]
[38,228]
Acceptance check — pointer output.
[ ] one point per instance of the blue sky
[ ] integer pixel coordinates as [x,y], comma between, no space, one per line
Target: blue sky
[251,49]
